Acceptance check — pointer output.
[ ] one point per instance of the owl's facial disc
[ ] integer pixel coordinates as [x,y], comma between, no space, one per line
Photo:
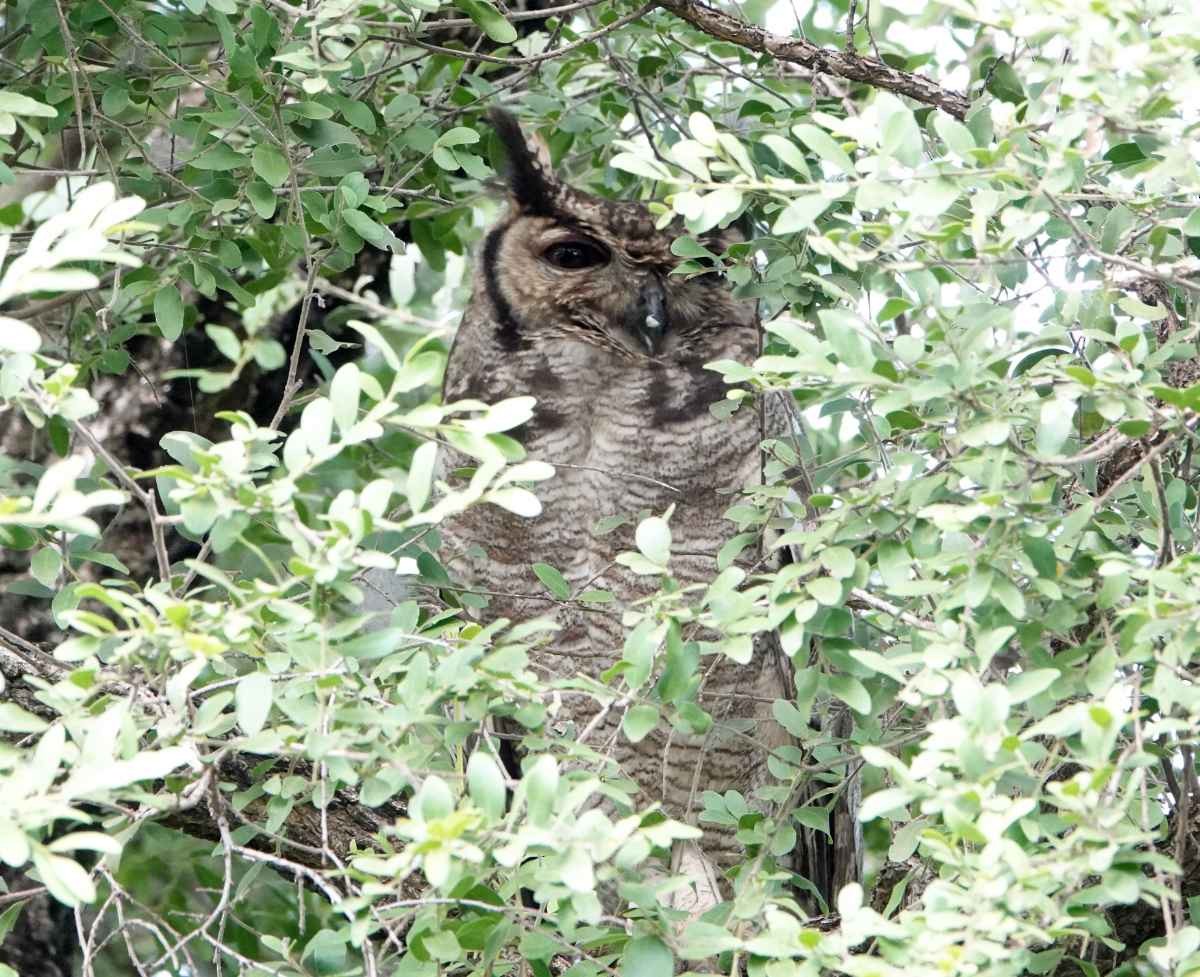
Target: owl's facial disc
[570,267]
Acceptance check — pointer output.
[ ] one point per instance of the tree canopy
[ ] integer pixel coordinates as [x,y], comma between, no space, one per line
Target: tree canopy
[236,239]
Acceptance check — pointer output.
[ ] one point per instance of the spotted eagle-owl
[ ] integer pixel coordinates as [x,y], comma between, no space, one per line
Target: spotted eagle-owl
[574,303]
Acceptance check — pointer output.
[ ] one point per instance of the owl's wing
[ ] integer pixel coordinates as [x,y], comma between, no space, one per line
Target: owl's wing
[835,860]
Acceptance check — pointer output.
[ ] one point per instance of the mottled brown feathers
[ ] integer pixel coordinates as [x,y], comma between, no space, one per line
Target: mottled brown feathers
[575,303]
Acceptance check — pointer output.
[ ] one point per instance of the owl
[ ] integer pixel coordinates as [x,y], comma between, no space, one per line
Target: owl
[574,303]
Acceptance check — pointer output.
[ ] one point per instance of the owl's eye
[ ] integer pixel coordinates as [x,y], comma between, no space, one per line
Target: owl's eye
[574,255]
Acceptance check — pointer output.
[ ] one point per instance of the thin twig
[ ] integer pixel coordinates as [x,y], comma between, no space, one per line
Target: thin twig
[888,608]
[533,59]
[1150,455]
[1160,273]
[1165,553]
[8,898]
[1183,827]
[452,23]
[292,386]
[144,496]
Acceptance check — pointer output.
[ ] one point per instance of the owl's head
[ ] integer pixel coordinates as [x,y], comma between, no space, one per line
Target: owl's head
[565,265]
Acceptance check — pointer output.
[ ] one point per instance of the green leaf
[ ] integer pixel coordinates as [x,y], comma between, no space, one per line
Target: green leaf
[791,718]
[1041,555]
[910,349]
[519,501]
[800,214]
[458,136]
[991,431]
[226,341]
[45,566]
[420,475]
[16,104]
[1056,423]
[787,152]
[219,157]
[541,786]
[954,134]
[14,842]
[1119,220]
[18,337]
[852,692]
[327,950]
[324,343]
[651,169]
[596,596]
[316,422]
[270,164]
[653,539]
[1004,83]
[842,330]
[647,956]
[639,721]
[433,801]
[14,719]
[702,940]
[252,702]
[901,136]
[838,560]
[883,802]
[485,785]
[344,392]
[168,312]
[892,308]
[1028,684]
[359,115]
[67,881]
[826,590]
[813,818]
[371,231]
[489,19]
[552,580]
[823,144]
[8,919]
[262,199]
[906,839]
[1140,310]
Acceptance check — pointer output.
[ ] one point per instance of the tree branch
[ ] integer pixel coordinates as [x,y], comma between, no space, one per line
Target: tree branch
[842,64]
[308,838]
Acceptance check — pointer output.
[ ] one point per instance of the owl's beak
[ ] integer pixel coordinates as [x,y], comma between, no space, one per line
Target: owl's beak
[647,317]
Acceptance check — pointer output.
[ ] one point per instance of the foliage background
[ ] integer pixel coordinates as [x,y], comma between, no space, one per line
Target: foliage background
[237,241]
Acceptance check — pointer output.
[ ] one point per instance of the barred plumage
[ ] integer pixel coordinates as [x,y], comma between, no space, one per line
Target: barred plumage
[574,303]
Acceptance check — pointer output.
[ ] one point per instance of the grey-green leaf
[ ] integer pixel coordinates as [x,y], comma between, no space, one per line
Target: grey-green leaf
[552,580]
[647,956]
[485,784]
[252,702]
[270,164]
[168,312]
[639,721]
[489,19]
[851,691]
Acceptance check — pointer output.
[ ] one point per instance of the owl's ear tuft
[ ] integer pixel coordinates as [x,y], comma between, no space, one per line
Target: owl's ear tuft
[528,174]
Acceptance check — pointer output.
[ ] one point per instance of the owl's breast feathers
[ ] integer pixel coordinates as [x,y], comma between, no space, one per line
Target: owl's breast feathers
[576,305]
